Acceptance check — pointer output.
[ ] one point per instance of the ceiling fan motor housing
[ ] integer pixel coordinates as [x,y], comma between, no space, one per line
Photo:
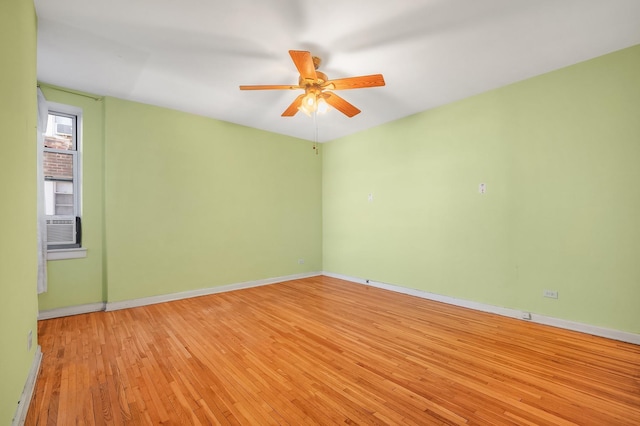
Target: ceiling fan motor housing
[321,78]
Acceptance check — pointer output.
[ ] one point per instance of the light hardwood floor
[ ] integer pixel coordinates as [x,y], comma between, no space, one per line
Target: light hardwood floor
[326,351]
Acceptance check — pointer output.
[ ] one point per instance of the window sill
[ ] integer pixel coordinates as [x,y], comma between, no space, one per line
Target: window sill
[61,254]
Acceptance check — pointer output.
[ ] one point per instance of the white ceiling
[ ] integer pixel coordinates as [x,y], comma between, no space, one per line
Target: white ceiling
[191,55]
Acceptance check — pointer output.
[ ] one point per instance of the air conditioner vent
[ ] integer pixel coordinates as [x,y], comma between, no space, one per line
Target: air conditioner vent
[61,231]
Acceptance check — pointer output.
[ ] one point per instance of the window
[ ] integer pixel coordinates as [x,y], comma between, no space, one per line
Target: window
[61,170]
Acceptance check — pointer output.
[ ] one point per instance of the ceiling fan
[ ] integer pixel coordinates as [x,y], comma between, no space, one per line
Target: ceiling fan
[318,88]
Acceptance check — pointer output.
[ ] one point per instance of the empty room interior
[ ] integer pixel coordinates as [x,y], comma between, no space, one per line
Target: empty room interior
[188,237]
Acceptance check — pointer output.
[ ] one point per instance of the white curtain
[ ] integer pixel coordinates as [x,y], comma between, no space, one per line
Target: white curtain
[43,112]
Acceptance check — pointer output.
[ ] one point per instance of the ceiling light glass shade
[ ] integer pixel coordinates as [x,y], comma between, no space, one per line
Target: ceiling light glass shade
[309,103]
[305,109]
[313,102]
[323,106]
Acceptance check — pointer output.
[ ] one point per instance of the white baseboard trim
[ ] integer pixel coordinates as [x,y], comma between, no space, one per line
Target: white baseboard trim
[622,336]
[113,306]
[70,310]
[133,303]
[27,393]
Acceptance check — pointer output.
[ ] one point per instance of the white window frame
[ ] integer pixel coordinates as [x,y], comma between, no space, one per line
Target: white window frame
[70,110]
[74,155]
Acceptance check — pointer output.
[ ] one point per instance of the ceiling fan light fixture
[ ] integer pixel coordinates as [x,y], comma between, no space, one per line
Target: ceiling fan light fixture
[304,109]
[313,102]
[323,106]
[308,104]
[310,101]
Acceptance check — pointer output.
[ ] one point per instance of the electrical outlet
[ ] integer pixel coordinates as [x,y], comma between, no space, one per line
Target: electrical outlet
[300,261]
[482,188]
[29,340]
[553,294]
[370,197]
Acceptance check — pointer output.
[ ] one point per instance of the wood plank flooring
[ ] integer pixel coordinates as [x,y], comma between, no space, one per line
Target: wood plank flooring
[326,351]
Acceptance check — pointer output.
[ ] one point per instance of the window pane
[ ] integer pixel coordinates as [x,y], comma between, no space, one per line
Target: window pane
[58,166]
[59,198]
[58,171]
[64,188]
[64,204]
[59,134]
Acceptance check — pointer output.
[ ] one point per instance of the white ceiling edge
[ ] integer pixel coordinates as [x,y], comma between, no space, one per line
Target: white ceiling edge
[192,56]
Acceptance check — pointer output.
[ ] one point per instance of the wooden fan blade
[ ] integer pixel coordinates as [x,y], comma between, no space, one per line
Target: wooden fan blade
[341,105]
[293,108]
[271,87]
[304,63]
[373,80]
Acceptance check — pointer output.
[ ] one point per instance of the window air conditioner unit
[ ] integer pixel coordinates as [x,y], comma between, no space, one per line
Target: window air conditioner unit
[61,230]
[64,129]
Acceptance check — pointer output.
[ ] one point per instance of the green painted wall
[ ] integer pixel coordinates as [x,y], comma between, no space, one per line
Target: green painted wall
[175,202]
[73,282]
[18,261]
[560,155]
[194,203]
